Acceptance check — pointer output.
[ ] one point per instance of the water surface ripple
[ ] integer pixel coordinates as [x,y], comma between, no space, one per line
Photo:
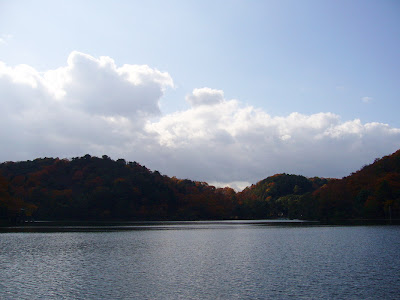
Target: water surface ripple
[216,261]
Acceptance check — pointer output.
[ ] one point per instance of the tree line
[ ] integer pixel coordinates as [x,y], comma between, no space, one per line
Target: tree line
[92,188]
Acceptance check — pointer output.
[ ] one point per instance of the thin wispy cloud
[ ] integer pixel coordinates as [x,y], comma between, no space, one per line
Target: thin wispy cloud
[366,99]
[4,38]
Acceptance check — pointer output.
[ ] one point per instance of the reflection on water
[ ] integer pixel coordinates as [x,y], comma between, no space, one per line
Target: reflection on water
[46,226]
[218,260]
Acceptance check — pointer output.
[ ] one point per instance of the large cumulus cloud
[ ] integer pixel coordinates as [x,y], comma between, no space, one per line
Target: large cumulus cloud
[88,106]
[225,141]
[98,86]
[91,105]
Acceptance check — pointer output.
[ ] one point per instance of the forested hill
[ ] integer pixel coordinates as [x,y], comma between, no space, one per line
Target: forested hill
[282,196]
[92,188]
[370,193]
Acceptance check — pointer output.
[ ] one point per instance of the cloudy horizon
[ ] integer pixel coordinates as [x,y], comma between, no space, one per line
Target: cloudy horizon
[227,94]
[91,105]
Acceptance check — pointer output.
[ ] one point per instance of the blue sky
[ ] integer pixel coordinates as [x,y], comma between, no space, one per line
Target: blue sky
[337,58]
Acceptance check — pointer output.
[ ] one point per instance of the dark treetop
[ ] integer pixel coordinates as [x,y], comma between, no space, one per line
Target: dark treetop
[95,189]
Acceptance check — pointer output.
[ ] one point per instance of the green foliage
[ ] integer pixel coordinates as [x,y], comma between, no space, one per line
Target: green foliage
[280,196]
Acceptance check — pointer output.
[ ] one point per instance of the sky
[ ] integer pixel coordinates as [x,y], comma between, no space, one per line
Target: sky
[227,92]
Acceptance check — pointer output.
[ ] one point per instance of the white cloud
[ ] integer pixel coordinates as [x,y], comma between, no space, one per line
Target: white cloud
[205,96]
[228,141]
[93,106]
[236,185]
[98,86]
[5,38]
[88,106]
[366,99]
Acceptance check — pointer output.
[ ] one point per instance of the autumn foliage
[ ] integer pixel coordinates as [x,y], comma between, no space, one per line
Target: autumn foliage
[92,188]
[370,193]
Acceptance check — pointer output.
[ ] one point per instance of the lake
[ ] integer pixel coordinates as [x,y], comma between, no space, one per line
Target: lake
[201,260]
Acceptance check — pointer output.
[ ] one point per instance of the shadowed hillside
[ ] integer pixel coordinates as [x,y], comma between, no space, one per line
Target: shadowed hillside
[281,196]
[91,188]
[370,193]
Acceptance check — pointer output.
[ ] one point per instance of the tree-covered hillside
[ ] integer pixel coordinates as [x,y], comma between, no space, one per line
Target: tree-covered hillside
[92,188]
[281,196]
[370,193]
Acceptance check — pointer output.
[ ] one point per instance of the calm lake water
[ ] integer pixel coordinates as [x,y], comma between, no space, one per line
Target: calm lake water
[202,260]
